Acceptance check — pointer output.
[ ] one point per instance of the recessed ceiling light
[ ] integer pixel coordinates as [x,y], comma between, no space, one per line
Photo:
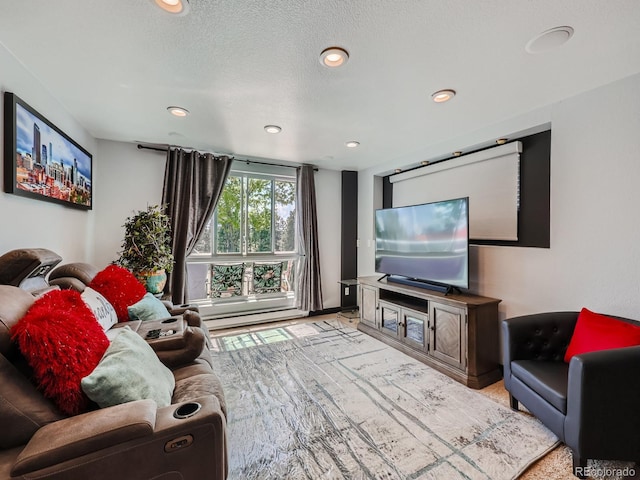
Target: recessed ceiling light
[272,129]
[178,111]
[334,57]
[443,95]
[175,7]
[398,170]
[501,141]
[549,39]
[457,153]
[352,144]
[424,163]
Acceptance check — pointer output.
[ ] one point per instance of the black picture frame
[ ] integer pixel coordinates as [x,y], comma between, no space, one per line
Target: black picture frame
[41,161]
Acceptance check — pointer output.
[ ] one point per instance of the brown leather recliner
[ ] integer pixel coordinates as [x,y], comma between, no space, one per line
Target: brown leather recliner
[78,276]
[27,268]
[135,440]
[32,269]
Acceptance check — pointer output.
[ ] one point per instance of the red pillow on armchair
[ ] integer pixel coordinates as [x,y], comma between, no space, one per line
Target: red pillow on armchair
[120,287]
[598,332]
[63,342]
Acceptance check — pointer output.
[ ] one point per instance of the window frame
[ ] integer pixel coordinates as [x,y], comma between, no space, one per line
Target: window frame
[244,254]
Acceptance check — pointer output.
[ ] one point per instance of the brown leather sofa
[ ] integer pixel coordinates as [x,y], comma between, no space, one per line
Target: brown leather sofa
[78,276]
[590,403]
[134,440]
[33,270]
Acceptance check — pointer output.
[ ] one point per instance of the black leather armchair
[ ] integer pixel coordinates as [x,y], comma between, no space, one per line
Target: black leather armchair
[592,404]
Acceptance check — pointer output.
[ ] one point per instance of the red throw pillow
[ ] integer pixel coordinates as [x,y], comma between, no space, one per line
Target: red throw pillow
[63,342]
[120,287]
[598,332]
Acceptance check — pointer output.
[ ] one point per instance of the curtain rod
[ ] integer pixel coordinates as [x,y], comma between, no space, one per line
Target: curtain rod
[159,149]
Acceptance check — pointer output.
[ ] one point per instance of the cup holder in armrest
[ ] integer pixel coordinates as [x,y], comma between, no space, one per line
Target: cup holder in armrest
[187,410]
[170,320]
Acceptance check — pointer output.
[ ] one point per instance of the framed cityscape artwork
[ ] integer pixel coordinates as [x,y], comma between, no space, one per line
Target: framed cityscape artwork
[41,161]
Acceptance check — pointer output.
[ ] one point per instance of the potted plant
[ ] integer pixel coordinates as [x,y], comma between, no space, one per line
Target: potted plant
[146,248]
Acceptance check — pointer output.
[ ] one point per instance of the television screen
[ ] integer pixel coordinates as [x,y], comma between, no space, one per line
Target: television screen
[428,242]
[41,161]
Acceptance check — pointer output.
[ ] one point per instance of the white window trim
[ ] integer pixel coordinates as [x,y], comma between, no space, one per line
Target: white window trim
[212,308]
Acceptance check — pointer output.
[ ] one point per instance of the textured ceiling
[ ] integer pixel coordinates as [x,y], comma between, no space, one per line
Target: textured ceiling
[238,65]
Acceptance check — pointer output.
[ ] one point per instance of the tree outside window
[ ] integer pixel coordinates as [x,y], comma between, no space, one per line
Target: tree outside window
[258,209]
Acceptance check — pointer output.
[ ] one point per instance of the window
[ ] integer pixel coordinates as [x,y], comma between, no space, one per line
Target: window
[253,233]
[255,216]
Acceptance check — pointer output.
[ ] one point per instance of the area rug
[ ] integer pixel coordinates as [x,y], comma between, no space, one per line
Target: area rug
[325,401]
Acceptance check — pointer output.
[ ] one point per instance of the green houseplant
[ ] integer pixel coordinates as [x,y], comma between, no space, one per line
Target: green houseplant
[146,248]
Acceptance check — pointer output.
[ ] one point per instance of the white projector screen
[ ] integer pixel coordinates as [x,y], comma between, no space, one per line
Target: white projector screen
[490,178]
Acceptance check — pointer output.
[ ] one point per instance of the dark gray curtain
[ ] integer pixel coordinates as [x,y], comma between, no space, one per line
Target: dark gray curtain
[193,182]
[308,288]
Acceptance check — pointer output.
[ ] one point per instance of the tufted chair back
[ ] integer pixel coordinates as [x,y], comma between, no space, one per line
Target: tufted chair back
[543,336]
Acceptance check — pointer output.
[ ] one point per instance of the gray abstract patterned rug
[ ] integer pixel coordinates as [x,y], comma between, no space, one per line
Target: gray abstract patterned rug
[325,401]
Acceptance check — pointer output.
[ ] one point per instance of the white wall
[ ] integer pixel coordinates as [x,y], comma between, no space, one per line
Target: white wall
[130,179]
[127,180]
[594,257]
[33,223]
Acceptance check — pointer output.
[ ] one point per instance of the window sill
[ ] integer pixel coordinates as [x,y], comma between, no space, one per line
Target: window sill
[253,319]
[242,305]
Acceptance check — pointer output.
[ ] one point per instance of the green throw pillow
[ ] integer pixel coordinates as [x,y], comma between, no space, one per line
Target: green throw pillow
[267,277]
[226,280]
[128,371]
[148,308]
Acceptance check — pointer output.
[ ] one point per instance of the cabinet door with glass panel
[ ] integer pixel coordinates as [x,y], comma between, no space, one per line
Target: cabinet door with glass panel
[389,319]
[414,328]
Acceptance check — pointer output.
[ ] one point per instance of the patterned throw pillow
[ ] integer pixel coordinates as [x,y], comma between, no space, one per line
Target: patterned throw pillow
[267,277]
[226,280]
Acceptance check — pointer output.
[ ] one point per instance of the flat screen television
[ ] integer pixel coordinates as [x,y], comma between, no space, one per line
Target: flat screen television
[427,243]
